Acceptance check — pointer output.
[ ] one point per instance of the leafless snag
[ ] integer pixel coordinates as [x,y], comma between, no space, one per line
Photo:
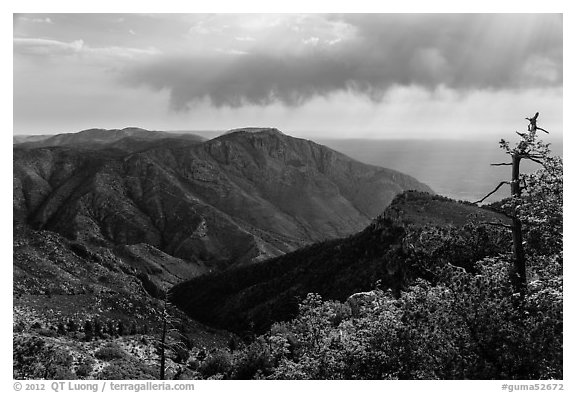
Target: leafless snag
[526,148]
[168,321]
[532,126]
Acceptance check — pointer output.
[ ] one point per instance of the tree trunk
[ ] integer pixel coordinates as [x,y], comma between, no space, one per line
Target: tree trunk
[519,272]
[162,348]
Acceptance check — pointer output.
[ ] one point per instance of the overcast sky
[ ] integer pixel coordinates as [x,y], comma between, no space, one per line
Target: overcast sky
[343,76]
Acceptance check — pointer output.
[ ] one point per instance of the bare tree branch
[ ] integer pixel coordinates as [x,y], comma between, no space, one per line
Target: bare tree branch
[529,155]
[510,216]
[493,191]
[499,224]
[542,129]
[502,163]
[535,160]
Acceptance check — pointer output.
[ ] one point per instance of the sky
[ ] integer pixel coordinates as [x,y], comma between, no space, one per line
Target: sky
[461,76]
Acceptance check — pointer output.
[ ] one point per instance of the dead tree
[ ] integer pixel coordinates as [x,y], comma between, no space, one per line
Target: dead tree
[530,149]
[165,317]
[171,339]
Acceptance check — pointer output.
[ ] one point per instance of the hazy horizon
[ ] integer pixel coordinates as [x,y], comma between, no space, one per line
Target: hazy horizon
[451,76]
[320,137]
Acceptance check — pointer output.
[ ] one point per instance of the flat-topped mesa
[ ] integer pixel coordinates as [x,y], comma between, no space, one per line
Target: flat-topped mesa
[255,130]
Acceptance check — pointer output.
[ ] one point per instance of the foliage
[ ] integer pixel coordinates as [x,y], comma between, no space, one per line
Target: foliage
[464,327]
[85,367]
[432,246]
[541,208]
[34,358]
[126,370]
[255,360]
[217,363]
[109,352]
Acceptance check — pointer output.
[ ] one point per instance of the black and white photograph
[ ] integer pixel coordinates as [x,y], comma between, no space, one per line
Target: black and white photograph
[287,196]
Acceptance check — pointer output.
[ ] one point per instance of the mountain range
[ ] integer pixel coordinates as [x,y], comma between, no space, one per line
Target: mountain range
[98,137]
[177,207]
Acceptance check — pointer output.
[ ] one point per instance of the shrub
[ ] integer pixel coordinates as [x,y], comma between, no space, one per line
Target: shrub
[85,368]
[34,358]
[256,359]
[47,332]
[109,352]
[127,370]
[219,362]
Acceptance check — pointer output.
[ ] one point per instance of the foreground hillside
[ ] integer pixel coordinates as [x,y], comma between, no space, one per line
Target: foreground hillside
[255,296]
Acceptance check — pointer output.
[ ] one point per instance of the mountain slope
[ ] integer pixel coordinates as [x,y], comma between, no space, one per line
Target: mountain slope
[260,294]
[239,198]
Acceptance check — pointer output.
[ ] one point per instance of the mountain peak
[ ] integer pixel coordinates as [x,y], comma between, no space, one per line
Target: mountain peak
[256,130]
[134,129]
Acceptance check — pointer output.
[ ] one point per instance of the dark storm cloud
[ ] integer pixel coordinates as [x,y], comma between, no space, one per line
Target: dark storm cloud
[462,52]
[235,80]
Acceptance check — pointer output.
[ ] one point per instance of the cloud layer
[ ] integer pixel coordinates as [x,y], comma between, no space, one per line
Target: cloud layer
[41,47]
[295,59]
[351,75]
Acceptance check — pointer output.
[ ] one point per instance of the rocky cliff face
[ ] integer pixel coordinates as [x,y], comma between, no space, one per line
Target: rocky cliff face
[236,199]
